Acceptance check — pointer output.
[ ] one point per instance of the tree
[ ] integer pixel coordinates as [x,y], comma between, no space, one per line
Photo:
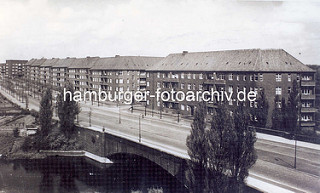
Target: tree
[67,111]
[241,155]
[196,143]
[284,114]
[276,114]
[293,108]
[45,114]
[261,112]
[219,137]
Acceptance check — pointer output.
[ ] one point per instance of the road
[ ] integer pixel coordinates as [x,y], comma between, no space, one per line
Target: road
[275,159]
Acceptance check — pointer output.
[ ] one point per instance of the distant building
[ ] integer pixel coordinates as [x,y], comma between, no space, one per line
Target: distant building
[15,68]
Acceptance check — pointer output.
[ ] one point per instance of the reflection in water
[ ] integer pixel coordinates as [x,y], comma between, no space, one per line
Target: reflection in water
[129,174]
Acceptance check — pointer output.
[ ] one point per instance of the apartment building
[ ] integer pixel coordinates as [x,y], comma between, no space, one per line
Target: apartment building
[121,73]
[46,74]
[271,70]
[2,71]
[15,68]
[317,88]
[60,72]
[79,73]
[34,72]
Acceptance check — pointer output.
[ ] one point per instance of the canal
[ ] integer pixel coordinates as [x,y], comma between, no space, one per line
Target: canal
[128,174]
[66,174]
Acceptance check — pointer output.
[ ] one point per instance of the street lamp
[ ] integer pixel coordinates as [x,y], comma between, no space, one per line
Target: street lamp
[141,115]
[119,114]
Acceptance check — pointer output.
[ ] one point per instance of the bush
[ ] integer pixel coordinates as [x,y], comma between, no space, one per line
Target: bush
[16,132]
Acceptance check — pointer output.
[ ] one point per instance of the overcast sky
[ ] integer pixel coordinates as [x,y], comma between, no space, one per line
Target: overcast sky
[79,28]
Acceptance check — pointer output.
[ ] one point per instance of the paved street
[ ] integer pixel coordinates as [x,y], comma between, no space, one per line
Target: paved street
[275,159]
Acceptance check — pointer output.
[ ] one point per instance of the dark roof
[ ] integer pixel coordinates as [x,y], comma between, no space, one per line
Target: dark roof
[30,62]
[125,63]
[49,62]
[63,63]
[38,62]
[275,60]
[84,62]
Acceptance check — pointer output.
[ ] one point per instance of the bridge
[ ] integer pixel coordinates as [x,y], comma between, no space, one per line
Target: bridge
[108,130]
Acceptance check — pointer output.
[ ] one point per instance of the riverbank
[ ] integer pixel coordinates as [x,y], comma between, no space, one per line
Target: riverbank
[11,148]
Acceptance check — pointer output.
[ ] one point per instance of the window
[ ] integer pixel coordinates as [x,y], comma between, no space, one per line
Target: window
[158,75]
[237,77]
[251,77]
[148,83]
[278,91]
[231,76]
[278,77]
[256,78]
[182,75]
[158,84]
[200,86]
[194,76]
[200,76]
[189,86]
[221,76]
[120,80]
[182,86]
[289,77]
[306,118]
[306,92]
[182,107]
[289,89]
[261,77]
[148,74]
[189,76]
[158,103]
[230,89]
[194,87]
[244,78]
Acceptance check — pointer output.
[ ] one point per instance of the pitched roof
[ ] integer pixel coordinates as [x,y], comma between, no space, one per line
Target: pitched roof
[38,62]
[49,62]
[63,63]
[30,62]
[275,60]
[84,62]
[125,63]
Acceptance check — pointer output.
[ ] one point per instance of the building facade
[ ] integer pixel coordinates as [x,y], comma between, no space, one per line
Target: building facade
[272,71]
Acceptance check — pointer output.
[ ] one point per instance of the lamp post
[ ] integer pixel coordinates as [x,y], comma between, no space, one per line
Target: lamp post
[90,113]
[119,114]
[140,127]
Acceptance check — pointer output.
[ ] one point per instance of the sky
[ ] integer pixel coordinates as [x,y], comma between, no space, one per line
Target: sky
[81,28]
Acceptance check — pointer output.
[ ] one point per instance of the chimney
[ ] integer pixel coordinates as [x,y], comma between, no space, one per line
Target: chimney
[116,56]
[184,52]
[88,56]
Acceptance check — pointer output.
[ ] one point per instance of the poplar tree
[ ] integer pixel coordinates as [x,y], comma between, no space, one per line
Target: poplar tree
[67,111]
[293,108]
[261,112]
[241,153]
[197,150]
[276,115]
[46,112]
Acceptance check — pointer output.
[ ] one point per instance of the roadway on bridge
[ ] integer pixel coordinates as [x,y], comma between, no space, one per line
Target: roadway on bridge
[275,159]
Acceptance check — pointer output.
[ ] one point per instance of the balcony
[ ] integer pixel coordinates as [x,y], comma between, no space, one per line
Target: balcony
[308,124]
[308,83]
[308,110]
[216,82]
[143,83]
[308,97]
